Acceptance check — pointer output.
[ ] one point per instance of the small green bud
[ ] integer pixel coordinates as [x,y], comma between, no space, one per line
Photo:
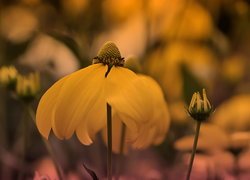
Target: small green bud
[200,109]
[8,77]
[28,86]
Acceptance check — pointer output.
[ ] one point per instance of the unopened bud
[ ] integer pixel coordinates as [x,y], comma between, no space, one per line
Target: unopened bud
[200,107]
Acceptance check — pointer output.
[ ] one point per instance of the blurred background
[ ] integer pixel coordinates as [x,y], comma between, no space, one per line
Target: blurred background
[185,45]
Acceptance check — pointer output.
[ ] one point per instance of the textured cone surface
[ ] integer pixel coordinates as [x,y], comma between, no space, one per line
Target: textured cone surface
[109,50]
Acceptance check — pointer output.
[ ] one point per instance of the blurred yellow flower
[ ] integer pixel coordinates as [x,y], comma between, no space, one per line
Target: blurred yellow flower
[234,68]
[211,138]
[130,36]
[240,140]
[233,115]
[17,24]
[194,22]
[77,103]
[199,60]
[74,7]
[241,7]
[8,76]
[28,86]
[177,112]
[118,11]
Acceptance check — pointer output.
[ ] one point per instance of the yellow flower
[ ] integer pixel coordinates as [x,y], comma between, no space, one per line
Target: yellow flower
[75,7]
[211,138]
[195,24]
[199,61]
[28,86]
[155,126]
[112,9]
[233,115]
[8,76]
[234,69]
[77,103]
[200,109]
[18,24]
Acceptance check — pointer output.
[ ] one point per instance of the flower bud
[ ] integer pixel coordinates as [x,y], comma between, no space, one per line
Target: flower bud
[28,86]
[8,77]
[200,108]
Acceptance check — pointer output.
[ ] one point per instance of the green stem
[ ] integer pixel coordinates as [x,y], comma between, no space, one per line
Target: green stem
[109,135]
[122,140]
[3,122]
[121,151]
[26,133]
[48,146]
[236,166]
[24,146]
[57,166]
[198,125]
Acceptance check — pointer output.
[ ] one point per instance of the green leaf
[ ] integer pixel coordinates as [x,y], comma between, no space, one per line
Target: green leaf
[90,172]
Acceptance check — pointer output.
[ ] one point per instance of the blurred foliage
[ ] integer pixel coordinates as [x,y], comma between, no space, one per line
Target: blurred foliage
[185,45]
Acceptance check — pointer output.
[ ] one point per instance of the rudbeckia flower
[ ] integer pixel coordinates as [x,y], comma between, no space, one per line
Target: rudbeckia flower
[77,103]
[212,138]
[199,61]
[233,115]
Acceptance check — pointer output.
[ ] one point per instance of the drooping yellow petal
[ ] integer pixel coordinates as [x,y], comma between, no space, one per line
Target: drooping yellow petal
[116,135]
[132,104]
[46,108]
[94,118]
[155,130]
[128,97]
[104,87]
[145,137]
[77,96]
[141,107]
[161,114]
[130,135]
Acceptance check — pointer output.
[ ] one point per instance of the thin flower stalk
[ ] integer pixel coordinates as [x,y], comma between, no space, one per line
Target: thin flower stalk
[198,125]
[47,146]
[199,109]
[121,151]
[109,135]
